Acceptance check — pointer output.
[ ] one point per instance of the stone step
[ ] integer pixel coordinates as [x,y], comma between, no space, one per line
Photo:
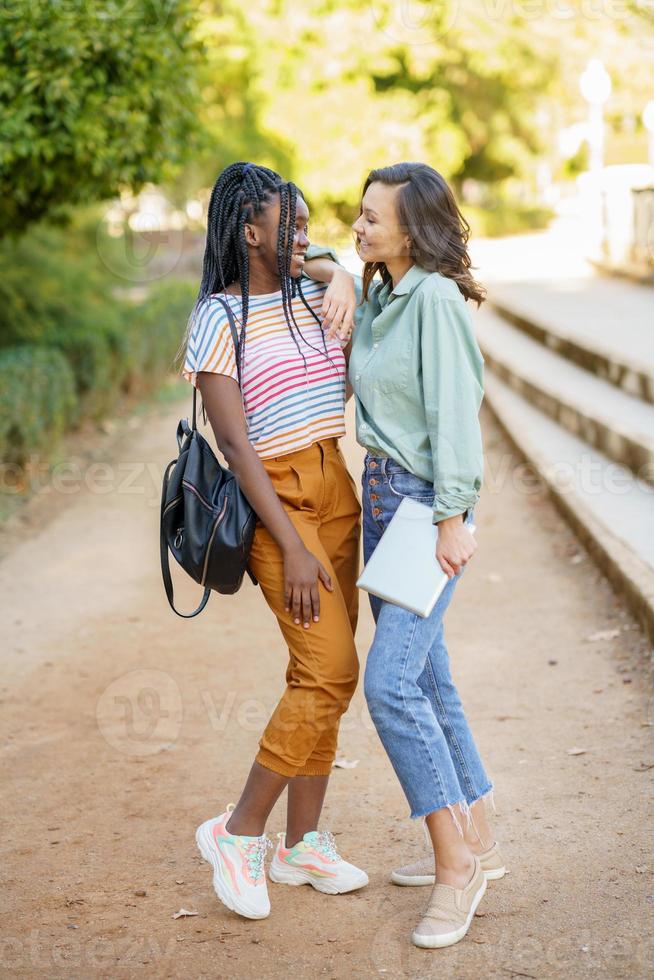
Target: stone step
[603,325]
[609,509]
[619,425]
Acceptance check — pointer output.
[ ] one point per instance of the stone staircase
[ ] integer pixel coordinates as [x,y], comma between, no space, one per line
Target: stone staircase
[570,377]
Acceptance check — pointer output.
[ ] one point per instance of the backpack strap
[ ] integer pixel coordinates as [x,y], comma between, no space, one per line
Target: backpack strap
[237,351]
[232,327]
[165,566]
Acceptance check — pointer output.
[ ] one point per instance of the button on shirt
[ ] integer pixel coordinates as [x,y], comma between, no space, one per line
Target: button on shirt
[417,375]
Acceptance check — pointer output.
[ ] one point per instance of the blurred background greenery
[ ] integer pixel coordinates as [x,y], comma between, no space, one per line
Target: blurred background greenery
[116,117]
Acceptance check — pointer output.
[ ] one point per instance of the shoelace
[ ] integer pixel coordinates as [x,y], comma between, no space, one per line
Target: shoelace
[327,844]
[255,852]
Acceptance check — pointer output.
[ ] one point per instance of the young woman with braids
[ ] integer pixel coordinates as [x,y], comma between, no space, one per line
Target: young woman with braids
[417,375]
[279,433]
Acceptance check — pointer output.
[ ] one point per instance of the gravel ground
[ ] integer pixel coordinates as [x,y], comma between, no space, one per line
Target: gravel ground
[124,727]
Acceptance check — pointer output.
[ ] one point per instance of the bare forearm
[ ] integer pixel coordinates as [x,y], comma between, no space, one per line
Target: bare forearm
[302,570]
[255,483]
[222,400]
[322,270]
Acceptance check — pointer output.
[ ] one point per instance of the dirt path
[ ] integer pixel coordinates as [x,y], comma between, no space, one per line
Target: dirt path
[126,726]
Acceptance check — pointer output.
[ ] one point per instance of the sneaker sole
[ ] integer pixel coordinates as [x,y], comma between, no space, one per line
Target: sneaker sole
[449,938]
[288,876]
[414,880]
[204,840]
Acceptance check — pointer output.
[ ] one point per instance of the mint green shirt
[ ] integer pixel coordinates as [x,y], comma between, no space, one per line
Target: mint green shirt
[417,375]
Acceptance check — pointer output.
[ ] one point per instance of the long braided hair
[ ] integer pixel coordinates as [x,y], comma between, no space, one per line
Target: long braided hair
[240,193]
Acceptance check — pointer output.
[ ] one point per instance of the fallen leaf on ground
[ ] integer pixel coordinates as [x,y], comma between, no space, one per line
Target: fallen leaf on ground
[343,763]
[603,635]
[641,869]
[182,913]
[576,751]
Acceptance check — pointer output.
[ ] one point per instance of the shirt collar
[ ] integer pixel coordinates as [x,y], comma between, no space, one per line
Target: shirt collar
[411,278]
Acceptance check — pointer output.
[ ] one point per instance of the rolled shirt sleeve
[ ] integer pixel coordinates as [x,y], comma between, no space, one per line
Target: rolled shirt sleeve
[453,390]
[321,252]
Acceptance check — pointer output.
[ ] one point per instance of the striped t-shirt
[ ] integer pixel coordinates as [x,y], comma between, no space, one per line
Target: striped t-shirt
[287,406]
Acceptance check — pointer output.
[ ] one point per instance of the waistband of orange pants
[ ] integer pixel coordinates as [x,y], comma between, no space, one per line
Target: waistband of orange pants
[322,445]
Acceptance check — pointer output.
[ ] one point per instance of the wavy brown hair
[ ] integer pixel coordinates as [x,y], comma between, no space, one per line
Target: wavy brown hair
[428,213]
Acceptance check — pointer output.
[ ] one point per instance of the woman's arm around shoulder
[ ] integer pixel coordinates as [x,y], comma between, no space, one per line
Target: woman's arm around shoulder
[343,294]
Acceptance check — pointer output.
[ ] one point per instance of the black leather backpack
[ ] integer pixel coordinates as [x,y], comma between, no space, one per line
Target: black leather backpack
[206,520]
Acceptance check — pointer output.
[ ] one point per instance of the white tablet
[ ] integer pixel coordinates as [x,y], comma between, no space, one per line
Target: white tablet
[403,568]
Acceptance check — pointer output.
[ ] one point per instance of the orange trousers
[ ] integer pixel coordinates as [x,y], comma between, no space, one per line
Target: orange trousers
[319,495]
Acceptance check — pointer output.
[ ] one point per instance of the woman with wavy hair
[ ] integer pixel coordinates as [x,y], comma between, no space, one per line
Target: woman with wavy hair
[417,375]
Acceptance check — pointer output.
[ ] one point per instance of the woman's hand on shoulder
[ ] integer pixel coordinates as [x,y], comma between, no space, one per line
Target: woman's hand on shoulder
[338,306]
[455,546]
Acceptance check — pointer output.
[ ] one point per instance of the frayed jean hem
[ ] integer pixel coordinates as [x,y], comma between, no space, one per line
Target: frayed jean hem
[465,807]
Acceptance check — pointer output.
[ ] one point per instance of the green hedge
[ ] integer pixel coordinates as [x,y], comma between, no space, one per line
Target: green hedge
[37,400]
[84,372]
[59,306]
[55,293]
[70,350]
[154,330]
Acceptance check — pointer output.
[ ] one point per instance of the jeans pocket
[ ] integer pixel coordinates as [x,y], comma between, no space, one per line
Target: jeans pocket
[405,484]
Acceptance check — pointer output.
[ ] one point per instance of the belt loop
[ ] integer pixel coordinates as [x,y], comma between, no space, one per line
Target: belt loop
[383,465]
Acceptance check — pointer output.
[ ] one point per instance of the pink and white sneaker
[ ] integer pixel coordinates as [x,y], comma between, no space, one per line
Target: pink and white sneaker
[239,880]
[315,861]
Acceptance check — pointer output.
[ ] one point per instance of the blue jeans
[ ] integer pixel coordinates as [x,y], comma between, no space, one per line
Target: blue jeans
[411,696]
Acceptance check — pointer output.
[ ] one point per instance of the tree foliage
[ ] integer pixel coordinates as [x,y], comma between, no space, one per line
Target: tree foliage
[327,90]
[95,95]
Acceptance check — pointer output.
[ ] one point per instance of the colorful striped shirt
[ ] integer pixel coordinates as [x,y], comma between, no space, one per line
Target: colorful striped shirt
[288,406]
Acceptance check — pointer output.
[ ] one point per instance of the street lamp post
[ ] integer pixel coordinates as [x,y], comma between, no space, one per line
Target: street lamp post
[648,121]
[595,85]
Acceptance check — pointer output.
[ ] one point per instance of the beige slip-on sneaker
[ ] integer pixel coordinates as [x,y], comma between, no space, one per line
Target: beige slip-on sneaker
[449,912]
[421,872]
